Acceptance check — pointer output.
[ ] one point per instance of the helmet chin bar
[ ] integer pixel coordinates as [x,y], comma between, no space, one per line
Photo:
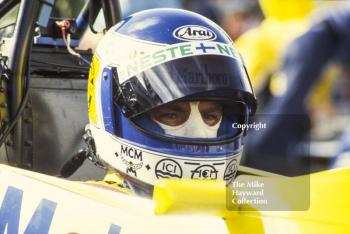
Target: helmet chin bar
[142,167]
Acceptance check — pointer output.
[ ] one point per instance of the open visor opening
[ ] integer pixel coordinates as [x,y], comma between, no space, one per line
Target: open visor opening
[199,121]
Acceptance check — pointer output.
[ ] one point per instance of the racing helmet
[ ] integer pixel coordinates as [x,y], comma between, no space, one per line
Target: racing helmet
[154,78]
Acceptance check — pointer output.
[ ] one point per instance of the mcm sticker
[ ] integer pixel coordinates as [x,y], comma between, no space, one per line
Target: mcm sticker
[132,158]
[168,168]
[205,172]
[231,170]
[194,33]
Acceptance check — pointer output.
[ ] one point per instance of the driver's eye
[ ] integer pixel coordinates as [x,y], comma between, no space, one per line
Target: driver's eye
[211,119]
[211,112]
[172,115]
[171,118]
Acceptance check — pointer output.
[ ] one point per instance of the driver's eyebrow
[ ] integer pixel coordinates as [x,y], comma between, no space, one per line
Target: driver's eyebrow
[173,107]
[211,109]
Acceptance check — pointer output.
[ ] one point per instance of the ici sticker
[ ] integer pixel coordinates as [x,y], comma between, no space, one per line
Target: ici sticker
[168,168]
[194,33]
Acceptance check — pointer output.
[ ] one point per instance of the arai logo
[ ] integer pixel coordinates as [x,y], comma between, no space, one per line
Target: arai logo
[194,33]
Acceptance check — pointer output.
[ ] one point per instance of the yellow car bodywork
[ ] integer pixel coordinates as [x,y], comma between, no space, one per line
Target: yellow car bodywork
[328,210]
[179,206]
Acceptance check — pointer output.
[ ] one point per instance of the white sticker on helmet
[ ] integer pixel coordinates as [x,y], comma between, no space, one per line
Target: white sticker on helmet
[172,52]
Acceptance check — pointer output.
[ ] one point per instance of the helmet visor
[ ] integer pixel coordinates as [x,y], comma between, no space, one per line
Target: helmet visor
[211,76]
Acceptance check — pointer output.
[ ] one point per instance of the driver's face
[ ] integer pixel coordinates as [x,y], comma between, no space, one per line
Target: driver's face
[174,114]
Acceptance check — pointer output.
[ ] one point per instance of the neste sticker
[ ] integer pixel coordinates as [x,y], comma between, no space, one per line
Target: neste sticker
[194,33]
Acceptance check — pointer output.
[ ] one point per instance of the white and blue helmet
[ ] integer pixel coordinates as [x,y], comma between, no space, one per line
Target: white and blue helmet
[162,56]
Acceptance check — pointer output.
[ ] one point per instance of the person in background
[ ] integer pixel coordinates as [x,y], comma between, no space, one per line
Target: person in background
[263,46]
[327,41]
[238,17]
